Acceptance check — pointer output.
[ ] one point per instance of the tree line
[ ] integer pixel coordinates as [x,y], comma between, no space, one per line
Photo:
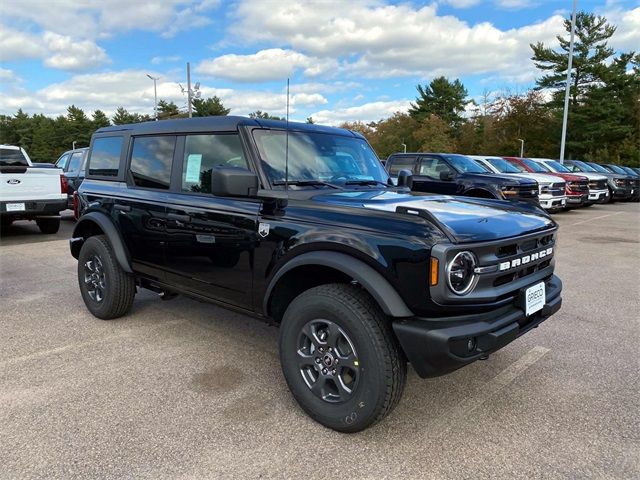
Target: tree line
[604,115]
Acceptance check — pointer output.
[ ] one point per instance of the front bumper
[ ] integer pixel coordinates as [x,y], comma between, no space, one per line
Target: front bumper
[549,202]
[622,193]
[577,200]
[436,346]
[34,208]
[598,196]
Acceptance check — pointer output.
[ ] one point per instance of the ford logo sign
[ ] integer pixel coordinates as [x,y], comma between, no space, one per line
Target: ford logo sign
[13,181]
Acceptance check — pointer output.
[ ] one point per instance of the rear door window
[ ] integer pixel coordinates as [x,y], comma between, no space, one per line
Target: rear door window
[401,163]
[151,161]
[63,161]
[105,156]
[204,152]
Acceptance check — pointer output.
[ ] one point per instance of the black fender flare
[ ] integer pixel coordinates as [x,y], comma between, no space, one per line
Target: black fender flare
[109,229]
[481,189]
[378,287]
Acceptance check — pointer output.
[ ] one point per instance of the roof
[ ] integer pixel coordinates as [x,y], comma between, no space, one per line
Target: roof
[218,124]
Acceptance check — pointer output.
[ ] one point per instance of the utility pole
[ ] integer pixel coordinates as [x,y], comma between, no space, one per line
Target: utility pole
[189,90]
[521,147]
[565,114]
[155,96]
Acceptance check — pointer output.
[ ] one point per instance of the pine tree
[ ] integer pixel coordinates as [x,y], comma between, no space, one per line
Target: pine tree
[265,115]
[167,110]
[589,54]
[209,107]
[442,98]
[100,119]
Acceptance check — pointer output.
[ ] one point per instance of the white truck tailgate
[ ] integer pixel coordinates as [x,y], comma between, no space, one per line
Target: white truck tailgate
[34,184]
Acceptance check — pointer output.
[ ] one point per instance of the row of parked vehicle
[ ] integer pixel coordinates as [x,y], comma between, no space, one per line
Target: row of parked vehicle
[553,185]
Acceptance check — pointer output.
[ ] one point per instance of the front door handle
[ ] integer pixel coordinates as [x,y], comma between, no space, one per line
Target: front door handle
[122,208]
[179,217]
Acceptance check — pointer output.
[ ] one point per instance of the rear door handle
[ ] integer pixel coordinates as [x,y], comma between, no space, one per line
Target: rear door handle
[122,208]
[179,217]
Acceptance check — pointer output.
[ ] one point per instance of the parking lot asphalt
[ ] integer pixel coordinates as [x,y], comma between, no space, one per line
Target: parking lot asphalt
[184,389]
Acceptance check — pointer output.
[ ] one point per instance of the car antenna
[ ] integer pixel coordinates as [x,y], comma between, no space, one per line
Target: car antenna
[286,145]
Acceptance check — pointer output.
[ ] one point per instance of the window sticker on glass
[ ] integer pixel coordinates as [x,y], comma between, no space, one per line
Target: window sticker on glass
[193,167]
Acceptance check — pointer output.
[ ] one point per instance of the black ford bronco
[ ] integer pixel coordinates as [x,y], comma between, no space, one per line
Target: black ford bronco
[299,224]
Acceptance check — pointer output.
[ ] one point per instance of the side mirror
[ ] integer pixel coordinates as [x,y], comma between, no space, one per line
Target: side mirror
[233,182]
[446,176]
[405,179]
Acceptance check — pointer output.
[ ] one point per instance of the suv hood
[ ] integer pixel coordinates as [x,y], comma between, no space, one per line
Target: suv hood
[501,178]
[593,176]
[465,219]
[541,178]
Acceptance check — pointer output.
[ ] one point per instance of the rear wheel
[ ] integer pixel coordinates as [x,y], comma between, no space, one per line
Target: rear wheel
[48,225]
[340,357]
[107,290]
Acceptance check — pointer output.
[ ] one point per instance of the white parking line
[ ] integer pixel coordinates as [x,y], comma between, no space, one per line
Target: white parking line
[462,411]
[594,218]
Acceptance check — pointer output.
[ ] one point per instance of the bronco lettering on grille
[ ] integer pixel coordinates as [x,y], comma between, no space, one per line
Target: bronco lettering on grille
[525,259]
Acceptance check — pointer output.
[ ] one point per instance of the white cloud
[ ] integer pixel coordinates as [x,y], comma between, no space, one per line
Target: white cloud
[382,40]
[627,36]
[265,65]
[16,45]
[167,59]
[68,54]
[368,112]
[7,75]
[99,19]
[133,90]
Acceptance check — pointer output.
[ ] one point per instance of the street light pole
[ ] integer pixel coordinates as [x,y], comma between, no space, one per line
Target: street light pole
[404,147]
[521,147]
[565,114]
[155,95]
[189,108]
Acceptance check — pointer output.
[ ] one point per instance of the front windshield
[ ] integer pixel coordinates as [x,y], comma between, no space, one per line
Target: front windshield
[598,168]
[317,156]
[617,169]
[503,166]
[630,171]
[558,167]
[536,167]
[465,165]
[583,167]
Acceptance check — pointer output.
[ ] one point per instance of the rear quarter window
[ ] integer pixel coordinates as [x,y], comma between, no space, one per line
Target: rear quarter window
[104,159]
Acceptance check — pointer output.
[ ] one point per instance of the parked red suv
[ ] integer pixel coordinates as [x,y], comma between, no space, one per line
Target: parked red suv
[577,186]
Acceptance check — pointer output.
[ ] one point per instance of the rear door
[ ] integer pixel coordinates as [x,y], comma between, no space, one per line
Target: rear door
[210,240]
[73,171]
[428,177]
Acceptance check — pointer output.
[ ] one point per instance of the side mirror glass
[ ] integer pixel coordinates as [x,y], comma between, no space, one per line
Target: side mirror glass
[405,179]
[233,182]
[446,175]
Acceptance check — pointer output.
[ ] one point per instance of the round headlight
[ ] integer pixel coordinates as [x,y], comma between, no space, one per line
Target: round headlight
[460,275]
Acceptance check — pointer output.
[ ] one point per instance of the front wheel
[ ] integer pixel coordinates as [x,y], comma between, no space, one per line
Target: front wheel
[48,225]
[107,290]
[340,357]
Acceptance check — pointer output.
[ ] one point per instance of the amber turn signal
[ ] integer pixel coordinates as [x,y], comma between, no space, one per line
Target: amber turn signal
[433,277]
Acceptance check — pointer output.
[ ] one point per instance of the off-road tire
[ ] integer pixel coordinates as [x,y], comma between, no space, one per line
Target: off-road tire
[120,286]
[383,367]
[48,225]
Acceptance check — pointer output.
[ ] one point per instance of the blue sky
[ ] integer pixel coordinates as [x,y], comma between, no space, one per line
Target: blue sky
[357,60]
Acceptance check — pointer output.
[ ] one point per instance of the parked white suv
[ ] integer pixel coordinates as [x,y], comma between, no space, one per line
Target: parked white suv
[28,192]
[551,193]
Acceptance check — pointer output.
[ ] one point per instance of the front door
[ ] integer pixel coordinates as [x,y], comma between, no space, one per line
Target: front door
[428,178]
[210,240]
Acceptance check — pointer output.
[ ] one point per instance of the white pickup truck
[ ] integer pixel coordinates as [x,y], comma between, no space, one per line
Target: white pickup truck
[28,192]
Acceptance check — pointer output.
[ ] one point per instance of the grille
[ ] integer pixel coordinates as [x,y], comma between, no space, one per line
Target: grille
[557,189]
[527,192]
[598,184]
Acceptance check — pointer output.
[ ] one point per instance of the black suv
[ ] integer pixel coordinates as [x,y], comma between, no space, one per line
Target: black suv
[297,224]
[453,174]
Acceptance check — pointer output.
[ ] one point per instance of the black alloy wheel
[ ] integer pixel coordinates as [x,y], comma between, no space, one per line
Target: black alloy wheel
[94,278]
[328,361]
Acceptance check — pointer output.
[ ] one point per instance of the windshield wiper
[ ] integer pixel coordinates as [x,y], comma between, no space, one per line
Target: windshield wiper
[366,182]
[305,183]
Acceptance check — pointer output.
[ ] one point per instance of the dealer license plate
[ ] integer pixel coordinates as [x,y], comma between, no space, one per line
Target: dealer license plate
[15,207]
[534,298]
